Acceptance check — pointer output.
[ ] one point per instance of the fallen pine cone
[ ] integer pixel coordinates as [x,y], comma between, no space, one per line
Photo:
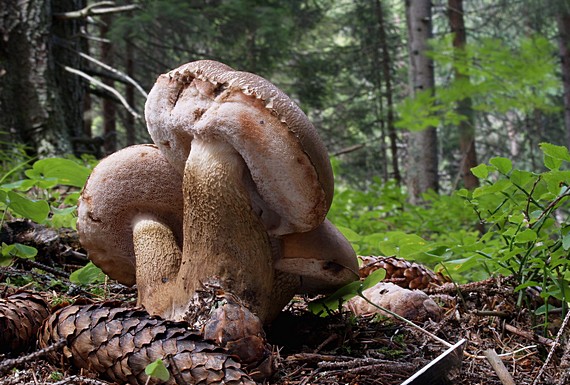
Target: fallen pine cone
[401,272]
[21,315]
[119,343]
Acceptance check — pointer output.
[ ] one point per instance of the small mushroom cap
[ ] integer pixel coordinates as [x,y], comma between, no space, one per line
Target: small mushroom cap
[323,258]
[134,182]
[286,158]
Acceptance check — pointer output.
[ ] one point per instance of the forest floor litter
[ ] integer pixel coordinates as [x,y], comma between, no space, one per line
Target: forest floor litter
[336,349]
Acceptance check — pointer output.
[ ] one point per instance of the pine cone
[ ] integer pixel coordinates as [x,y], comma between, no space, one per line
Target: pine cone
[119,343]
[21,315]
[405,274]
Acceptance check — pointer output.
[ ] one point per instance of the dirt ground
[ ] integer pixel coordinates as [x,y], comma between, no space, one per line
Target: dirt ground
[337,349]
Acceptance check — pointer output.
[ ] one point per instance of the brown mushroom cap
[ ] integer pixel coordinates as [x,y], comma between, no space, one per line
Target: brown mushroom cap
[135,182]
[322,257]
[287,160]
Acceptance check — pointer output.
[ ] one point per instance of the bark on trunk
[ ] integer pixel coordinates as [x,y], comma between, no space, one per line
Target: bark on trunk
[109,107]
[464,107]
[387,74]
[130,94]
[40,102]
[422,146]
[563,21]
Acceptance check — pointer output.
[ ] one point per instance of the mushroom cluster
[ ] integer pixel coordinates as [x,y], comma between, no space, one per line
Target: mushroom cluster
[237,186]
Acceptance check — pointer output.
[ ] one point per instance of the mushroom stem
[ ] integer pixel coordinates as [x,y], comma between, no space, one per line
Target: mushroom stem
[157,264]
[223,237]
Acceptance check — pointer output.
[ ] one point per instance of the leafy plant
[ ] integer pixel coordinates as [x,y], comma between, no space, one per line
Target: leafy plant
[327,305]
[46,193]
[88,274]
[517,223]
[157,369]
[528,225]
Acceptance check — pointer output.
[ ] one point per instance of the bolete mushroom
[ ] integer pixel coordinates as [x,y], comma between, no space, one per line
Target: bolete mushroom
[254,170]
[240,193]
[132,205]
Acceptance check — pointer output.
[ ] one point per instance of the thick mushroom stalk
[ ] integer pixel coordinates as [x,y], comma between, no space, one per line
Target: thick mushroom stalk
[254,169]
[223,236]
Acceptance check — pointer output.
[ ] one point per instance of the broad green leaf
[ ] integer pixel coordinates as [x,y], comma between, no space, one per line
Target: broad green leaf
[552,163]
[504,165]
[36,210]
[19,250]
[352,236]
[88,274]
[64,217]
[65,171]
[527,235]
[555,152]
[498,186]
[481,171]
[521,178]
[157,369]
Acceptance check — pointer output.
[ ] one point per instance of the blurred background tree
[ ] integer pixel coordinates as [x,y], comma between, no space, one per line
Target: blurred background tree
[74,74]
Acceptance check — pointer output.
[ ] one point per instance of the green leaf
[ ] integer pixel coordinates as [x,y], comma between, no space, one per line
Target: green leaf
[19,250]
[504,165]
[66,171]
[481,171]
[158,370]
[555,152]
[527,235]
[88,274]
[552,163]
[352,236]
[566,242]
[324,305]
[37,211]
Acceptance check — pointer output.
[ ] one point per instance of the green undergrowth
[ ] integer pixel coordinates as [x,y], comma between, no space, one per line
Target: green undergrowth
[515,224]
[44,191]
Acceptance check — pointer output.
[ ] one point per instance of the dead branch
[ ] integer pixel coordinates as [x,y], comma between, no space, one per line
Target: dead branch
[107,88]
[499,367]
[551,352]
[8,365]
[121,75]
[529,335]
[349,149]
[96,9]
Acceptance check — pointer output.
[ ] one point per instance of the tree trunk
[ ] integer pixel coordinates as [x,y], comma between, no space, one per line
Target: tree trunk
[387,75]
[464,106]
[40,102]
[422,145]
[563,21]
[130,93]
[109,107]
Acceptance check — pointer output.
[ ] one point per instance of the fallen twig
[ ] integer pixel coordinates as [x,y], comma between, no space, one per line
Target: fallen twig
[529,335]
[9,364]
[552,349]
[499,367]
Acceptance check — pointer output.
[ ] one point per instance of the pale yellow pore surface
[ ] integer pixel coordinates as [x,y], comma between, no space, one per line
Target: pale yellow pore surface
[158,262]
[223,236]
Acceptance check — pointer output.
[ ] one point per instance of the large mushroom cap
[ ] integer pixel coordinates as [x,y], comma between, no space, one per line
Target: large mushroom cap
[287,160]
[131,183]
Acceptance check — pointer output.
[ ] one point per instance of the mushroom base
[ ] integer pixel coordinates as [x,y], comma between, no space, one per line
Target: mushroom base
[223,237]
